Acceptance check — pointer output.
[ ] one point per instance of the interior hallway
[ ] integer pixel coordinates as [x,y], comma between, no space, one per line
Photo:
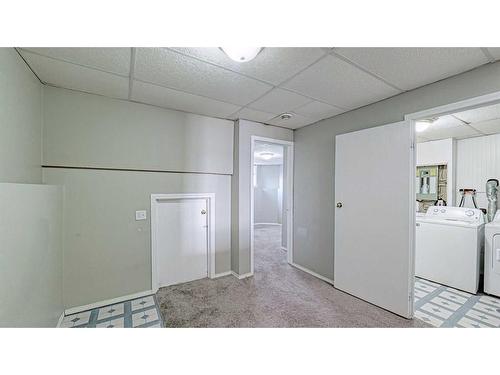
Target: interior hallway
[278,295]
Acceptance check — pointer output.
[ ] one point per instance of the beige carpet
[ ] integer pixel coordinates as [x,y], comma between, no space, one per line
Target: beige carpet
[277,296]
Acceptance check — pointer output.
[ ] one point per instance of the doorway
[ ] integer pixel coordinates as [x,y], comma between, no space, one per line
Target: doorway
[271,200]
[456,184]
[375,248]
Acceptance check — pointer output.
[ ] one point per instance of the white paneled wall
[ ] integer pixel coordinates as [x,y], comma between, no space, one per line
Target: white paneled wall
[478,159]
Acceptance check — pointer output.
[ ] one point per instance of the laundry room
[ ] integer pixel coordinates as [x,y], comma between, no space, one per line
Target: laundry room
[457,246]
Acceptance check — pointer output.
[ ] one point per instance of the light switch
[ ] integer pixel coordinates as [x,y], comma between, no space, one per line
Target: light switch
[140,215]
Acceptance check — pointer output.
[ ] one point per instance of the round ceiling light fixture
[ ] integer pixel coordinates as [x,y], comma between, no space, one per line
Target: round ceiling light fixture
[266,155]
[285,116]
[423,125]
[241,54]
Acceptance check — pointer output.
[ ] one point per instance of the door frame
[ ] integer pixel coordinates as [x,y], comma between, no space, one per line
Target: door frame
[156,199]
[462,105]
[446,109]
[288,148]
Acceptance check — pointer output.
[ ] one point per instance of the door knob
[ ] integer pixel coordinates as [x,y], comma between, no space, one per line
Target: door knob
[203,212]
[339,204]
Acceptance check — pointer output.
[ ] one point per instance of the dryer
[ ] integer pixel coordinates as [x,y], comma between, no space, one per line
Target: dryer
[449,245]
[492,257]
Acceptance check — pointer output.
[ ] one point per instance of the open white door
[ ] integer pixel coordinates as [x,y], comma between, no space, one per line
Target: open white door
[374,219]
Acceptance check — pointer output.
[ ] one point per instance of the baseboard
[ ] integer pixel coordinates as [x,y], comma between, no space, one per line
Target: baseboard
[307,270]
[222,274]
[77,309]
[244,276]
[61,318]
[267,224]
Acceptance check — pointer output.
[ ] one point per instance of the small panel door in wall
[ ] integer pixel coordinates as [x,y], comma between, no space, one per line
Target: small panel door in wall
[182,247]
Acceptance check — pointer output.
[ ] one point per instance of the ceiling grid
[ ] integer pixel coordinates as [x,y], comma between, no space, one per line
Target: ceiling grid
[311,83]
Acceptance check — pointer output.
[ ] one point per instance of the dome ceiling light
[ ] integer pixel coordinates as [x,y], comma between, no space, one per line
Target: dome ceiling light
[267,155]
[241,54]
[423,125]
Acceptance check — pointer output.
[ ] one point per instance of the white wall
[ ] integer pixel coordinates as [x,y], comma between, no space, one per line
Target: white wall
[20,120]
[107,252]
[30,214]
[478,159]
[314,165]
[439,153]
[241,185]
[30,255]
[268,194]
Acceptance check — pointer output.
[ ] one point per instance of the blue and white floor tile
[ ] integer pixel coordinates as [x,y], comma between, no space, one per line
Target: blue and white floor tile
[138,313]
[442,306]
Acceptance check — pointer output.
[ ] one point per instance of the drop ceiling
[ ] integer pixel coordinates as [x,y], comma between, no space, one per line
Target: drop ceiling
[472,123]
[311,83]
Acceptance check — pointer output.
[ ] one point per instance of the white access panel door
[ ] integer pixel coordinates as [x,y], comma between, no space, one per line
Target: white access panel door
[375,225]
[182,247]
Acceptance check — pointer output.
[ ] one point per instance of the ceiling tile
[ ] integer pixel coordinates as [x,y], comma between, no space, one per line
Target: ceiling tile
[168,68]
[114,60]
[408,68]
[297,121]
[480,114]
[465,135]
[457,132]
[495,52]
[76,77]
[488,127]
[253,115]
[421,139]
[279,101]
[172,99]
[273,65]
[448,127]
[445,122]
[337,82]
[317,109]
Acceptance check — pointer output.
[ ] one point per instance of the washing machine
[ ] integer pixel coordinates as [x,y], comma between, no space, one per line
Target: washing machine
[492,257]
[449,246]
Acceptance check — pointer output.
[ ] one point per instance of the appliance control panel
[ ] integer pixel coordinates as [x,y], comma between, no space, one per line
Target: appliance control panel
[470,215]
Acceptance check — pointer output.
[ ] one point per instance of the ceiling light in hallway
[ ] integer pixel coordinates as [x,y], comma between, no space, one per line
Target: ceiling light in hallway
[267,155]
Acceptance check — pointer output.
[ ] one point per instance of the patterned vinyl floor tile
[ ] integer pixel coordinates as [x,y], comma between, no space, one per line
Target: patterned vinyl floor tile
[138,313]
[442,306]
